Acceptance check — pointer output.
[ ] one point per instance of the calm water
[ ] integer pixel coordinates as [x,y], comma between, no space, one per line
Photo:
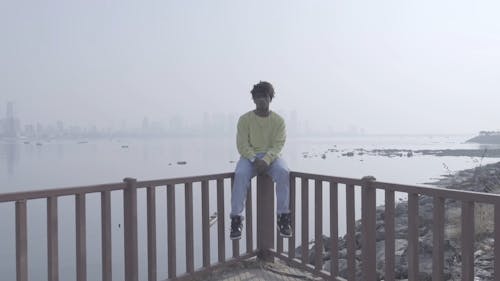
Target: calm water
[69,163]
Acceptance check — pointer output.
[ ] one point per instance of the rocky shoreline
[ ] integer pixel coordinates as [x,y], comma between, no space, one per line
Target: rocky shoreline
[482,179]
[482,153]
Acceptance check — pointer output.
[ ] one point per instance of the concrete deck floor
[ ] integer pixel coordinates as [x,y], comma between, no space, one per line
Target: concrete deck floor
[255,270]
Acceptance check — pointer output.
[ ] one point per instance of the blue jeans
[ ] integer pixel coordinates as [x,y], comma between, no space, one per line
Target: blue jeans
[278,170]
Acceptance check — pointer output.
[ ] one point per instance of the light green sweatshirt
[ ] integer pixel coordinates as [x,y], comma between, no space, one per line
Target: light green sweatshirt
[261,135]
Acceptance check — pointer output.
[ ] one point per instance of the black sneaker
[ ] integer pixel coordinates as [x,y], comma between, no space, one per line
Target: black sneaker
[284,225]
[236,227]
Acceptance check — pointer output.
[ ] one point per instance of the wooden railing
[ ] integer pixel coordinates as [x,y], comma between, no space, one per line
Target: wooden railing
[130,188]
[368,221]
[269,244]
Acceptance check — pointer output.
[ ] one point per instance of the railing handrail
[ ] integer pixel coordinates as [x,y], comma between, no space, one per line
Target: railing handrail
[67,191]
[182,180]
[463,195]
[481,197]
[448,193]
[57,192]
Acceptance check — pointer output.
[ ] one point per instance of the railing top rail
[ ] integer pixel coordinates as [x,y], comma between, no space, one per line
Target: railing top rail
[66,191]
[56,192]
[342,180]
[161,182]
[447,193]
[462,195]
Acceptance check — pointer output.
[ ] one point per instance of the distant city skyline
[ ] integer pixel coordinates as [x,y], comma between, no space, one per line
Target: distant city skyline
[208,124]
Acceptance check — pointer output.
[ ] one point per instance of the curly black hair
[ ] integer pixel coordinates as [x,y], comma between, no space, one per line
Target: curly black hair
[263,88]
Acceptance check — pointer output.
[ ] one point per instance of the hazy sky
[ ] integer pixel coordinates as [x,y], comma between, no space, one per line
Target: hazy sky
[387,66]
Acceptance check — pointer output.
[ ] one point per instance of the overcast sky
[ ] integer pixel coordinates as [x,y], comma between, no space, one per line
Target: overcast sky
[391,66]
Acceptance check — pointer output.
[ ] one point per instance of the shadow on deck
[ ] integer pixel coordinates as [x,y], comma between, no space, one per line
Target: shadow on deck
[255,269]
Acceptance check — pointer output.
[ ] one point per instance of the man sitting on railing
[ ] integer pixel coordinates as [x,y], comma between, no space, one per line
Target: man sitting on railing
[260,138]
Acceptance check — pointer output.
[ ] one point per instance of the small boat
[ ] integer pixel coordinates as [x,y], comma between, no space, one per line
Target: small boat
[181,162]
[124,146]
[39,143]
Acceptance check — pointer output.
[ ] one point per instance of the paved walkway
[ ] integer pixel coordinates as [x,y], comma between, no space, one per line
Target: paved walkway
[254,270]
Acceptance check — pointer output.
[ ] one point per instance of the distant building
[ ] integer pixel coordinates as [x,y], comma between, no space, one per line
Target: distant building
[29,131]
[145,124]
[11,124]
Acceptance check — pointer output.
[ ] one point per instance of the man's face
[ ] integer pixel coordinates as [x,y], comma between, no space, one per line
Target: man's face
[261,101]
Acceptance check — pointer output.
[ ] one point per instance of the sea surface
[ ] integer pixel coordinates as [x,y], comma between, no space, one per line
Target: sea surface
[64,163]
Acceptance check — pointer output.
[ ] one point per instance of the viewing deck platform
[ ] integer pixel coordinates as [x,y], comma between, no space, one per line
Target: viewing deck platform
[267,255]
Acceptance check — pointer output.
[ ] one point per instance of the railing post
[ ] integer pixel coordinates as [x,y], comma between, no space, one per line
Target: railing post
[106,249]
[52,240]
[368,208]
[21,241]
[497,240]
[265,217]
[130,230]
[413,267]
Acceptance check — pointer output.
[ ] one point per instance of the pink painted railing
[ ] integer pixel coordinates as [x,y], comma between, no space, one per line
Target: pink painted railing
[268,244]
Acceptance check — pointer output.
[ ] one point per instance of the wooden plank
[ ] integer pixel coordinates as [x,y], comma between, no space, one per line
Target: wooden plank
[318,224]
[221,249]
[390,241]
[279,243]
[351,230]
[497,241]
[248,221]
[81,240]
[52,240]
[107,274]
[291,240]
[184,180]
[205,223]
[344,180]
[236,243]
[188,202]
[171,226]
[368,232]
[58,192]
[467,241]
[279,239]
[460,195]
[478,197]
[438,239]
[305,220]
[21,241]
[413,267]
[334,228]
[265,217]
[130,230]
[151,219]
